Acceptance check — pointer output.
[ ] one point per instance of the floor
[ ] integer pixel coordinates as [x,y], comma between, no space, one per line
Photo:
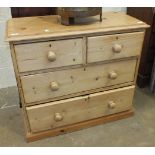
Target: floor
[138,130]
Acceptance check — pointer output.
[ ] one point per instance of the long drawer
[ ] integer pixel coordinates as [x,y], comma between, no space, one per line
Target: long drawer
[51,54]
[40,87]
[74,110]
[108,47]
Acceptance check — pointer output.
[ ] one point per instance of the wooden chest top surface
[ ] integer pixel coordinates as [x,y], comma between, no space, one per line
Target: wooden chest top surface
[40,27]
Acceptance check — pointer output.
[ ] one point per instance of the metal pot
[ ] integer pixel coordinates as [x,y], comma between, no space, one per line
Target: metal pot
[68,14]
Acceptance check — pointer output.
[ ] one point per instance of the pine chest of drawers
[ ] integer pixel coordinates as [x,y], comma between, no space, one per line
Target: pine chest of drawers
[72,77]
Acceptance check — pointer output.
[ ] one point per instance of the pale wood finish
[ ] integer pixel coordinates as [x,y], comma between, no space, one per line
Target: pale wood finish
[21,98]
[72,77]
[137,67]
[60,113]
[38,87]
[108,47]
[30,137]
[82,93]
[84,65]
[50,26]
[44,55]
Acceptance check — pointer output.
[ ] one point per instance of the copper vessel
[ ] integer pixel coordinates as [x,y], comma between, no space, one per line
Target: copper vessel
[69,14]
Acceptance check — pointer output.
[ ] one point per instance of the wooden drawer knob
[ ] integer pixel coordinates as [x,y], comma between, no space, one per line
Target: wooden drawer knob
[51,56]
[117,48]
[111,105]
[112,75]
[58,117]
[54,86]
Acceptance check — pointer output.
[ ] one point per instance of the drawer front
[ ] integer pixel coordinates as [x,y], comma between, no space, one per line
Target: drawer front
[59,83]
[74,110]
[108,47]
[44,55]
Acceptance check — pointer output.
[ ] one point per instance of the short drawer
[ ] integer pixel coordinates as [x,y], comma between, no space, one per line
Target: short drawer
[74,110]
[108,47]
[51,54]
[46,86]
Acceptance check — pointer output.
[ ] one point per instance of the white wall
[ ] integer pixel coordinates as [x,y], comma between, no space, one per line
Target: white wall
[7,77]
[117,9]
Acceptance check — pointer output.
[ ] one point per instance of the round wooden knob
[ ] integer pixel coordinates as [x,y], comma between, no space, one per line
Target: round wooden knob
[112,75]
[51,56]
[58,117]
[111,105]
[54,86]
[117,48]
